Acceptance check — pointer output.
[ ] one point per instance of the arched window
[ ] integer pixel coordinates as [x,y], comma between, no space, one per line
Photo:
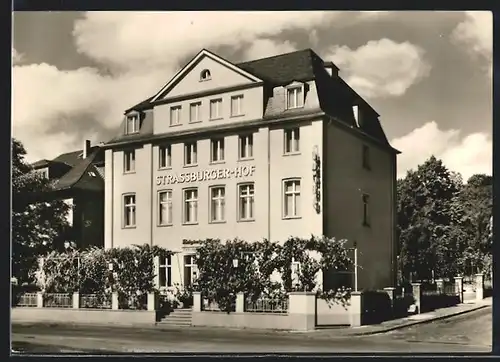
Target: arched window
[205,74]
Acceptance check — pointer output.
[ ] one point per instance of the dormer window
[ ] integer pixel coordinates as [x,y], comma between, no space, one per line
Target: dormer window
[132,125]
[295,96]
[205,75]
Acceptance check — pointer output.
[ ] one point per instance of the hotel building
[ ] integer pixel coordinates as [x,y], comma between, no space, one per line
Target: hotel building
[271,148]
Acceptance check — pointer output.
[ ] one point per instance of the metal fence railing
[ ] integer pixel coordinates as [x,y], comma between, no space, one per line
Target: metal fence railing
[27,300]
[266,305]
[58,300]
[94,301]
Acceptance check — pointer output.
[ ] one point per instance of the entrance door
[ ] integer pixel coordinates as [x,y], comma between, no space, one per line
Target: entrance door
[190,270]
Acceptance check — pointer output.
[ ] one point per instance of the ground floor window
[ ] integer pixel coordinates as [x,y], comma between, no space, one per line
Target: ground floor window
[190,270]
[335,279]
[166,272]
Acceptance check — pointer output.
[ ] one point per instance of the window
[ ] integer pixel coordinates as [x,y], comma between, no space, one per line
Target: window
[190,206]
[205,75]
[291,198]
[165,207]
[246,195]
[190,154]
[190,270]
[165,156]
[334,279]
[194,112]
[175,115]
[366,210]
[132,125]
[217,204]
[292,140]
[129,210]
[245,146]
[237,105]
[216,108]
[129,161]
[366,157]
[295,97]
[217,150]
[165,272]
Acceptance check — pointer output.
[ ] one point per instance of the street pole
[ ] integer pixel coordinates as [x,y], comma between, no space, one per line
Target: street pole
[355,269]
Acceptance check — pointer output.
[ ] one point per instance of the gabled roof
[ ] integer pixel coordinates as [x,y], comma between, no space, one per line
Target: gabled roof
[203,53]
[40,164]
[84,175]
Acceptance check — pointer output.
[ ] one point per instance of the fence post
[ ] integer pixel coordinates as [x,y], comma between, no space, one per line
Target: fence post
[76,300]
[152,301]
[114,301]
[479,287]
[196,302]
[440,286]
[459,288]
[39,300]
[417,295]
[391,291]
[356,309]
[240,303]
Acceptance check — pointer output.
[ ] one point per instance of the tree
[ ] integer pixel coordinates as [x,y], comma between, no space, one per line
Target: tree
[38,226]
[427,238]
[475,202]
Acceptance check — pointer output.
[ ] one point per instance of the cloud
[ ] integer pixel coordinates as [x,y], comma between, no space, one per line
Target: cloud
[16,57]
[468,155]
[263,48]
[475,34]
[381,68]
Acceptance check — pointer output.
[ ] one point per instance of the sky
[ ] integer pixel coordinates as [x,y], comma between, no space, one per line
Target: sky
[428,74]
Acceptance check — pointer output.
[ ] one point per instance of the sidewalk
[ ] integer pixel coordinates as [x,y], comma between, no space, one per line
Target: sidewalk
[339,332]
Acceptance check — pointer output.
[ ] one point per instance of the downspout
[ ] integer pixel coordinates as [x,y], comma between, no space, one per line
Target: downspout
[152,194]
[268,184]
[112,198]
[393,221]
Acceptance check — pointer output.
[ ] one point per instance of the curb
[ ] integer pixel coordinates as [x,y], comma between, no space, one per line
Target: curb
[422,321]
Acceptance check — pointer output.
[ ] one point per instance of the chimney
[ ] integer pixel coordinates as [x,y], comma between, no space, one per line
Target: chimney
[86,149]
[355,110]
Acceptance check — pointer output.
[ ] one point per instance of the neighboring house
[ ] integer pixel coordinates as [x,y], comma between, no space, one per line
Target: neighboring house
[78,179]
[271,148]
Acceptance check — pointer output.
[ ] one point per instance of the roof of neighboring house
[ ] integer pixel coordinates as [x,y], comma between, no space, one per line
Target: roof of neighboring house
[83,173]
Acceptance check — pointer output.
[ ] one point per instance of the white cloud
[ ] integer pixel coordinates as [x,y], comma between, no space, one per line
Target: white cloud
[381,68]
[263,48]
[16,57]
[468,155]
[475,34]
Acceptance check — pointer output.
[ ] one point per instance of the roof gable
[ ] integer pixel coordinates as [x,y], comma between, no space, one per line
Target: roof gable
[189,79]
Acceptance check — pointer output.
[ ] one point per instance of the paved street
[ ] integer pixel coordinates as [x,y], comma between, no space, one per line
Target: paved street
[466,333]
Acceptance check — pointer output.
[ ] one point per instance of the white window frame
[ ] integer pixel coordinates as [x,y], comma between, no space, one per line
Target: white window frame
[217,210]
[196,107]
[295,271]
[217,155]
[294,193]
[245,147]
[187,201]
[169,207]
[205,75]
[134,119]
[166,264]
[219,109]
[191,148]
[175,116]
[239,101]
[294,147]
[365,198]
[129,207]
[129,161]
[299,96]
[193,268]
[246,191]
[165,155]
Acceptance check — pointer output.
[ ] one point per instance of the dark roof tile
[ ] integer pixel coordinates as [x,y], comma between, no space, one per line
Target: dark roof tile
[79,176]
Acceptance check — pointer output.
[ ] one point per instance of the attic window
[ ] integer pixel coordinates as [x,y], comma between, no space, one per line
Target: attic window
[205,75]
[295,96]
[132,124]
[92,174]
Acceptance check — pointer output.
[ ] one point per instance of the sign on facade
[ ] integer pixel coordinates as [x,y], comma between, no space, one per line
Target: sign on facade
[205,175]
